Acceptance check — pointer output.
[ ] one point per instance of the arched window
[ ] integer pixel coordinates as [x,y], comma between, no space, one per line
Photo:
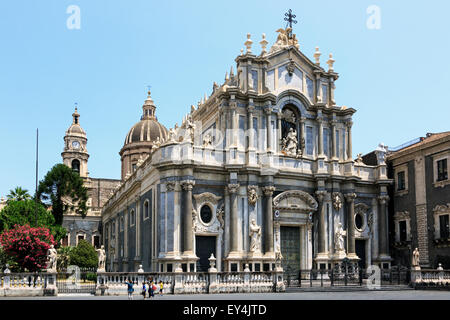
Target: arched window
[146,209]
[76,165]
[206,213]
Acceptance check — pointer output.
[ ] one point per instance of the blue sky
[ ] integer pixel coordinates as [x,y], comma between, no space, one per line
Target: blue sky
[396,77]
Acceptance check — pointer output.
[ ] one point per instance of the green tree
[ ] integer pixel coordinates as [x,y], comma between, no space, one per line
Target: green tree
[84,255]
[63,257]
[63,189]
[23,212]
[18,194]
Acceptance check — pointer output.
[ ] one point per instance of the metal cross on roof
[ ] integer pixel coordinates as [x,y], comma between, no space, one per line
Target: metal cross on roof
[290,18]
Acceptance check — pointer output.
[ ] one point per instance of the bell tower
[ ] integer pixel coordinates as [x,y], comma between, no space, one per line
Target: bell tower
[75,153]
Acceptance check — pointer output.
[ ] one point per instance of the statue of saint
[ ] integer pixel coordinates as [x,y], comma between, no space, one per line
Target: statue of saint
[416,258]
[207,140]
[190,127]
[101,258]
[290,143]
[255,234]
[51,259]
[339,238]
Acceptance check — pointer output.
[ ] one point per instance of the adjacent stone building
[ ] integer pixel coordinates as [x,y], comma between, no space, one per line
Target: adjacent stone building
[75,156]
[259,172]
[421,207]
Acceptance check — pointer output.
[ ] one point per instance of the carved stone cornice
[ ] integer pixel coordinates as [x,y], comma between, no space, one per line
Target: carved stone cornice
[268,191]
[402,215]
[350,197]
[442,209]
[187,185]
[361,208]
[207,197]
[233,187]
[305,202]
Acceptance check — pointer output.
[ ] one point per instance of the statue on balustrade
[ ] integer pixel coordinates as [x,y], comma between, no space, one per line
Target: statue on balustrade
[101,258]
[52,256]
[416,258]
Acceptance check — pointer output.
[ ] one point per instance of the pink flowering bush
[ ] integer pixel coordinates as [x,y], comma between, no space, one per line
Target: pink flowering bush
[27,246]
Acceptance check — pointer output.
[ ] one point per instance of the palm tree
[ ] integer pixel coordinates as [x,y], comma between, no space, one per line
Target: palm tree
[18,194]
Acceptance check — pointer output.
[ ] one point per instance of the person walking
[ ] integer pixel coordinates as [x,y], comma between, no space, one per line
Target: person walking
[161,287]
[151,289]
[130,289]
[144,289]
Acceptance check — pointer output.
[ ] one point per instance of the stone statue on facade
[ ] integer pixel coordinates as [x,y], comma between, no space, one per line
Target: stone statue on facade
[171,137]
[339,239]
[52,257]
[252,195]
[290,143]
[207,140]
[156,143]
[101,259]
[190,127]
[359,158]
[416,258]
[285,40]
[255,234]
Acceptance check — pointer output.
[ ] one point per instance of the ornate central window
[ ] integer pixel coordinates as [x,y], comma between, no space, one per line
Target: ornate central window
[291,141]
[206,214]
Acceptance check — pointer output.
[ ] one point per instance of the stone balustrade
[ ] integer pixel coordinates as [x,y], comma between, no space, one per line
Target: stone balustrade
[27,284]
[430,277]
[113,283]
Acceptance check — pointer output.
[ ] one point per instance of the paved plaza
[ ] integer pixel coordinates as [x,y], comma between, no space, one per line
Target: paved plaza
[356,295]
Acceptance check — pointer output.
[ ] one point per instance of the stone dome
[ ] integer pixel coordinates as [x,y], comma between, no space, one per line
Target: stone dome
[139,139]
[146,130]
[75,128]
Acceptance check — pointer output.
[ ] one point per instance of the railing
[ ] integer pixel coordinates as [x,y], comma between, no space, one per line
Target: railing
[431,278]
[113,283]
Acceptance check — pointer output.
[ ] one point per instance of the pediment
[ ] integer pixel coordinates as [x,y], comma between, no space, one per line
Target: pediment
[295,200]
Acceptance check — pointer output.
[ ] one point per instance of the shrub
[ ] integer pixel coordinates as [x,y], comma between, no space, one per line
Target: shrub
[27,246]
[84,255]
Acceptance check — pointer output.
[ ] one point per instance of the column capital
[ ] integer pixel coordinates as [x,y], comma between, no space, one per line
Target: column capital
[321,195]
[188,184]
[170,186]
[350,197]
[233,187]
[349,124]
[383,199]
[268,110]
[333,122]
[251,108]
[268,191]
[302,119]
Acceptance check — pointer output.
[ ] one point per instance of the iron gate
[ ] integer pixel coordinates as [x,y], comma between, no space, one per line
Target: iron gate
[76,280]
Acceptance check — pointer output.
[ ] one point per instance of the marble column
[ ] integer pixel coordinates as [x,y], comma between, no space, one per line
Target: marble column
[268,112]
[319,120]
[279,132]
[188,242]
[322,239]
[350,197]
[234,227]
[251,133]
[383,226]
[349,139]
[268,220]
[302,140]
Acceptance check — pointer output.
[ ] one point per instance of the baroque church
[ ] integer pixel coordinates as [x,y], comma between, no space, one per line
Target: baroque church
[260,172]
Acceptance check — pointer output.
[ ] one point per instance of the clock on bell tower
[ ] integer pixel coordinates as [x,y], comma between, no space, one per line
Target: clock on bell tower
[75,154]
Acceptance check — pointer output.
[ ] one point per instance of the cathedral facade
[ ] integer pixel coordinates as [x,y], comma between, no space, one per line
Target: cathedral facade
[259,173]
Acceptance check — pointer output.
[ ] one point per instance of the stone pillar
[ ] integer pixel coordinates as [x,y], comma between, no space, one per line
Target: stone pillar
[268,112]
[319,120]
[322,239]
[138,229]
[251,133]
[350,197]
[302,133]
[279,132]
[383,227]
[234,227]
[268,221]
[188,185]
[349,141]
